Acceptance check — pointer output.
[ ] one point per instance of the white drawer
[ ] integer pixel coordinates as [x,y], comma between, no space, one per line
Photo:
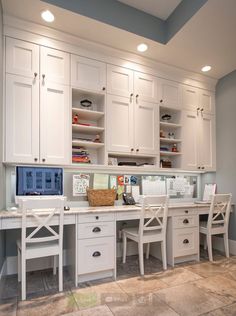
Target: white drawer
[185,241]
[183,211]
[96,218]
[94,230]
[185,221]
[96,254]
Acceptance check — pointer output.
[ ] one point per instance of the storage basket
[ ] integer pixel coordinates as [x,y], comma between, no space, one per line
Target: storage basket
[101,197]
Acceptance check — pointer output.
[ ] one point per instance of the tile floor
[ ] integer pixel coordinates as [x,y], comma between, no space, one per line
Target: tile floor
[189,289]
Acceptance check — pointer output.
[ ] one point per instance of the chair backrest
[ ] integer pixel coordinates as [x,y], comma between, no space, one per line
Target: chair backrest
[41,212]
[156,206]
[219,211]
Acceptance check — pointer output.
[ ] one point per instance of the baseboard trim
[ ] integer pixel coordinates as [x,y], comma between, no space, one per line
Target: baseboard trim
[218,244]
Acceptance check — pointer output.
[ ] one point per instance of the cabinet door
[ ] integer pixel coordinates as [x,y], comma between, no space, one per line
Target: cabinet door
[207,143]
[22,58]
[190,139]
[55,142]
[171,94]
[54,65]
[190,98]
[145,87]
[88,74]
[119,81]
[119,124]
[207,101]
[22,119]
[146,128]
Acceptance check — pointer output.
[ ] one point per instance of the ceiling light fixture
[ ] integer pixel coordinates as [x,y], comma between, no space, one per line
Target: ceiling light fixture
[142,47]
[47,16]
[206,68]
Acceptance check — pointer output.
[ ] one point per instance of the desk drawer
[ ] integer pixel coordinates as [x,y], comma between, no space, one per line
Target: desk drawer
[96,218]
[185,241]
[94,230]
[185,221]
[97,254]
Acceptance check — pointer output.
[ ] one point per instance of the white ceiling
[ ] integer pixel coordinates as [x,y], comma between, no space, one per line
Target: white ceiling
[207,39]
[159,8]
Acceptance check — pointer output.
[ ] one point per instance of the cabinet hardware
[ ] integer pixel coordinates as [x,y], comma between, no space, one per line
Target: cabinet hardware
[202,109]
[186,211]
[199,167]
[161,101]
[35,159]
[43,76]
[35,75]
[97,217]
[132,149]
[43,160]
[66,208]
[131,97]
[137,98]
[185,241]
[103,88]
[185,221]
[203,168]
[97,254]
[137,150]
[96,230]
[198,109]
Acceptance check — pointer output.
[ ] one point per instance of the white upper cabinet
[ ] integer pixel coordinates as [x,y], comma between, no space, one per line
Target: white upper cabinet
[170,94]
[22,58]
[207,101]
[145,87]
[54,124]
[88,74]
[119,81]
[54,65]
[119,124]
[22,119]
[190,98]
[146,128]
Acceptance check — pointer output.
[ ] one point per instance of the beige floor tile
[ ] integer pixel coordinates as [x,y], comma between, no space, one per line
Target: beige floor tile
[228,264]
[207,269]
[101,310]
[229,310]
[220,287]
[145,284]
[8,307]
[52,305]
[142,305]
[178,276]
[189,300]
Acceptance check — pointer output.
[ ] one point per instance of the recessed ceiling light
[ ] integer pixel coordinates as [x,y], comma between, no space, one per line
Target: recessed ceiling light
[206,68]
[47,16]
[142,47]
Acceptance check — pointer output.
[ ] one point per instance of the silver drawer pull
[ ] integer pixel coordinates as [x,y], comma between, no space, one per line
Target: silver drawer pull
[186,241]
[185,221]
[96,230]
[96,254]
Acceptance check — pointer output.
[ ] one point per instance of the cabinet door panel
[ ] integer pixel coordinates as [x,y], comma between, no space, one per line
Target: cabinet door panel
[146,128]
[190,140]
[87,73]
[171,94]
[119,124]
[207,150]
[54,65]
[22,58]
[22,119]
[190,98]
[207,101]
[55,139]
[145,86]
[119,81]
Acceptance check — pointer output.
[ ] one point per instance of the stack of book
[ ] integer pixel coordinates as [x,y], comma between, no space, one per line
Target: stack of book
[80,155]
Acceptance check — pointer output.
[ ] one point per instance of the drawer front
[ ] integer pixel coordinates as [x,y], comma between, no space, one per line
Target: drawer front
[185,221]
[185,241]
[94,230]
[183,211]
[96,217]
[96,254]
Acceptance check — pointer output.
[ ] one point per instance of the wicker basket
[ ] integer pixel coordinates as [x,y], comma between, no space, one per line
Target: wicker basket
[101,197]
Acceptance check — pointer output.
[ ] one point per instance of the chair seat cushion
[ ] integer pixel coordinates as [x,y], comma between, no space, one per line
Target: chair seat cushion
[148,236]
[40,249]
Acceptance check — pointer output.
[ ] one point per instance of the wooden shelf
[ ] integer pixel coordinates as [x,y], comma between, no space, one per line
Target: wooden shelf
[170,125]
[169,140]
[87,114]
[86,144]
[170,153]
[76,128]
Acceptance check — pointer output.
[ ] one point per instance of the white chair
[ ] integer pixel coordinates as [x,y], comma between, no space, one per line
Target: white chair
[38,213]
[218,221]
[152,228]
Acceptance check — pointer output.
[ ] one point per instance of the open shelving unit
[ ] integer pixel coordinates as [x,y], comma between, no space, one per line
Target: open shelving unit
[90,126]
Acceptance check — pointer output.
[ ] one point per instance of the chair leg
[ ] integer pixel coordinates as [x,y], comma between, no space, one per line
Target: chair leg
[148,251]
[124,247]
[60,272]
[205,242]
[163,253]
[54,265]
[226,243]
[141,265]
[23,278]
[209,244]
[19,264]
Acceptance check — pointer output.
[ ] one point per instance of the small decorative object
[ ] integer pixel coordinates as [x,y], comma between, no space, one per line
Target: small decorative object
[86,103]
[171,135]
[162,134]
[165,163]
[174,148]
[75,119]
[112,161]
[166,117]
[97,139]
